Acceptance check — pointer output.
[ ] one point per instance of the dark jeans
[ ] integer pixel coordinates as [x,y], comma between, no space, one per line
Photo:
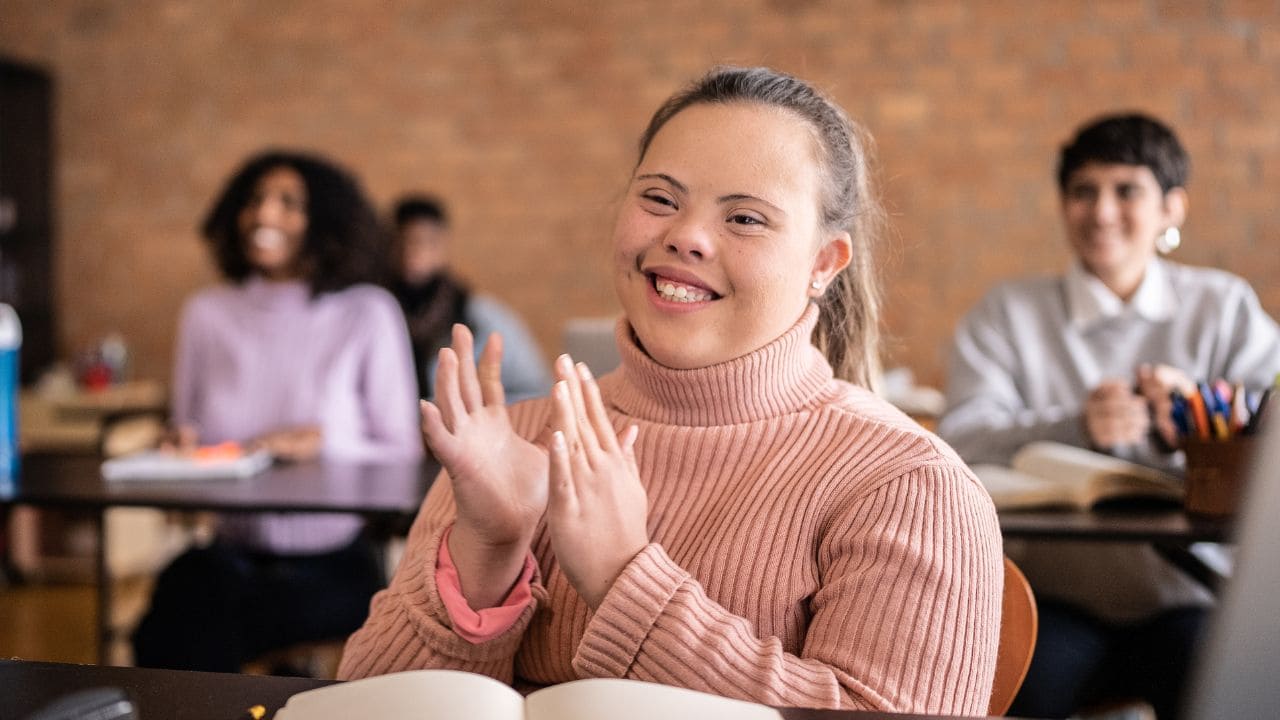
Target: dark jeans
[1080,661]
[218,607]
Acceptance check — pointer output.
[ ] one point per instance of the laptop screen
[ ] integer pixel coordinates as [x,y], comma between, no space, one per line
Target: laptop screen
[1238,672]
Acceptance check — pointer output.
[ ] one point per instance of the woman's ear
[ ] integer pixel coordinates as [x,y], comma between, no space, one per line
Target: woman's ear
[1175,206]
[832,257]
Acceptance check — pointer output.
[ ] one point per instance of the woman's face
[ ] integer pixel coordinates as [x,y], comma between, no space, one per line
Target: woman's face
[718,238]
[1113,214]
[273,223]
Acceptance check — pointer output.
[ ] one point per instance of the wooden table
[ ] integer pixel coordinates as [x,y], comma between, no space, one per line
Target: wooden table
[1124,525]
[1171,531]
[382,493]
[182,695]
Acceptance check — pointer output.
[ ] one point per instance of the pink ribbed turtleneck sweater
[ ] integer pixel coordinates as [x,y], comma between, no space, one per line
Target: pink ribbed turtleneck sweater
[810,546]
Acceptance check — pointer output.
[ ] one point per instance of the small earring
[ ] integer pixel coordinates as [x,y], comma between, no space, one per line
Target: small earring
[815,285]
[1169,240]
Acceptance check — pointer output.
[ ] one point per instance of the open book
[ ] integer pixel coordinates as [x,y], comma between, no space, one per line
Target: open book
[440,694]
[226,460]
[1050,474]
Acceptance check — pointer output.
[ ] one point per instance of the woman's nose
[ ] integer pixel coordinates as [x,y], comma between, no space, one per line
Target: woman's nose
[1106,207]
[267,211]
[691,240]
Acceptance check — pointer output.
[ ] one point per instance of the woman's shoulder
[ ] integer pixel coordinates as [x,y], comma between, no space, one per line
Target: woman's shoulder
[213,299]
[861,411]
[874,449]
[365,295]
[1197,279]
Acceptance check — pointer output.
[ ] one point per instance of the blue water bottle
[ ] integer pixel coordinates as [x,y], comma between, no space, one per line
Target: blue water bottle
[10,346]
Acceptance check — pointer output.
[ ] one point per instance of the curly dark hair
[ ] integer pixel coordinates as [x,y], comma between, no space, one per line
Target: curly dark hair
[1127,139]
[345,244]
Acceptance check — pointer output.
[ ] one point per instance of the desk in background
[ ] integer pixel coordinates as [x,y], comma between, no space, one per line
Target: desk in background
[1170,531]
[1159,526]
[183,695]
[385,494]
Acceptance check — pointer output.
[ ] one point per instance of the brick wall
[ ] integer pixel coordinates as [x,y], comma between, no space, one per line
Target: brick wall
[524,115]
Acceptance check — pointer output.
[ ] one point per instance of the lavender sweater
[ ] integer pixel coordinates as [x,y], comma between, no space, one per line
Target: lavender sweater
[263,356]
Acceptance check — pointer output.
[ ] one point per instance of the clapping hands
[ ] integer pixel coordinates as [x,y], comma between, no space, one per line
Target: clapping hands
[501,482]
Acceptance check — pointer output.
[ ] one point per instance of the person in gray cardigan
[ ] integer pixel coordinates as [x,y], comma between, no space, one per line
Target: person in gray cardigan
[1089,358]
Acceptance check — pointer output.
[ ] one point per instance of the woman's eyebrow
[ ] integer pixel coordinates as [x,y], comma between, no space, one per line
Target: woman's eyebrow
[663,176]
[744,196]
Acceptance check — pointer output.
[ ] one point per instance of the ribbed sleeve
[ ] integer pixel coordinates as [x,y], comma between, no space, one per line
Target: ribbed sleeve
[810,546]
[408,626]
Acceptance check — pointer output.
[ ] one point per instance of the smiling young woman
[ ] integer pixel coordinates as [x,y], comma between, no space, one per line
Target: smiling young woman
[300,353]
[1089,358]
[732,510]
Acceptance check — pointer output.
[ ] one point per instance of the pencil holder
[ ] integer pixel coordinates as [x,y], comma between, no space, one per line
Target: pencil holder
[1216,473]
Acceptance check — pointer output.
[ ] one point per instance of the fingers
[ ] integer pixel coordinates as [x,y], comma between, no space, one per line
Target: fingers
[468,382]
[596,414]
[433,428]
[627,443]
[448,396]
[491,391]
[586,434]
[563,495]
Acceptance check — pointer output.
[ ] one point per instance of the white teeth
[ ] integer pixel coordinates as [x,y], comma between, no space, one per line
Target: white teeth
[267,238]
[681,293]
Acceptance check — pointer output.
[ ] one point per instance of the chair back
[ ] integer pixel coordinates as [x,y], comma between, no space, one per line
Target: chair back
[1018,624]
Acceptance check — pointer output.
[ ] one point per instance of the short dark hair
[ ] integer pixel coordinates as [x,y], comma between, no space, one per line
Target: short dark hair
[344,243]
[1127,139]
[420,207]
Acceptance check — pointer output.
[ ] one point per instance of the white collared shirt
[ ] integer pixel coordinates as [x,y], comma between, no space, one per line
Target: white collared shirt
[1024,361]
[1090,300]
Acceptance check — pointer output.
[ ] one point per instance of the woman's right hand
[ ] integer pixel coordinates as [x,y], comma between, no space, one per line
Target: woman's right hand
[499,479]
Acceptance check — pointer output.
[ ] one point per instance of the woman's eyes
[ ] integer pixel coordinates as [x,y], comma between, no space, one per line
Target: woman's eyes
[658,199]
[288,202]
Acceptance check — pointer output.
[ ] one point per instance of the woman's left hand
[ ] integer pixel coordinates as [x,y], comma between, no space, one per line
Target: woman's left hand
[598,509]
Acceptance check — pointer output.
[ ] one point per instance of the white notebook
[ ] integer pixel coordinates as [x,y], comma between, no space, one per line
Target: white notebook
[441,694]
[168,465]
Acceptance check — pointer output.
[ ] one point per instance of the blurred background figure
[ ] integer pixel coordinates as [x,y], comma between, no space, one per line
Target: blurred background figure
[300,352]
[433,300]
[1089,358]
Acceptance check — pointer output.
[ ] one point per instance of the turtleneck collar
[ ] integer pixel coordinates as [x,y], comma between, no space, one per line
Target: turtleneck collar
[267,294]
[783,376]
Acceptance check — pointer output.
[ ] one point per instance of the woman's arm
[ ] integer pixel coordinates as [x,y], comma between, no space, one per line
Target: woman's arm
[907,617]
[409,627]
[988,418]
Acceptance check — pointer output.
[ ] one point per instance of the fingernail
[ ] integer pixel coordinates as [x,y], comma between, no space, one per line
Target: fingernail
[584,372]
[561,388]
[564,362]
[557,440]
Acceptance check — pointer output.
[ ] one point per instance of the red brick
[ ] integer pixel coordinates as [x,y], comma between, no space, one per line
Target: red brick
[524,116]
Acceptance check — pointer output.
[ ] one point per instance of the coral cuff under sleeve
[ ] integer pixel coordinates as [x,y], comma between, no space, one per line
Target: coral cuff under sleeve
[480,626]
